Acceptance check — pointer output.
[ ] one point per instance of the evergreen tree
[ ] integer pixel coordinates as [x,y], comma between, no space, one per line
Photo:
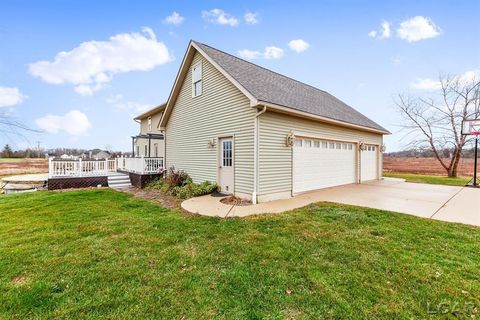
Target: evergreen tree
[7,151]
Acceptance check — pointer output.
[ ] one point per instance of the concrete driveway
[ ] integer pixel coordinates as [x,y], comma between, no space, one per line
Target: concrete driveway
[453,204]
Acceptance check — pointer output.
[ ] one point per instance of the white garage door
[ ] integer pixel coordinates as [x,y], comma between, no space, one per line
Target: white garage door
[322,163]
[369,163]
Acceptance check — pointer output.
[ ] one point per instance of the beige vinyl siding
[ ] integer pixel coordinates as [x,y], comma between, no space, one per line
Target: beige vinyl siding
[155,120]
[144,142]
[141,142]
[275,158]
[221,110]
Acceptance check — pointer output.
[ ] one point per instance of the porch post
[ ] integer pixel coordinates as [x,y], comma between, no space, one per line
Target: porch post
[149,144]
[133,146]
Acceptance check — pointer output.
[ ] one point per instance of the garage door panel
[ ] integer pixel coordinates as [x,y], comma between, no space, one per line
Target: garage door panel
[323,166]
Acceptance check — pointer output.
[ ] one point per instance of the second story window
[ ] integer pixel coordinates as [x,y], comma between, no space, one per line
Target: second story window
[197,79]
[149,124]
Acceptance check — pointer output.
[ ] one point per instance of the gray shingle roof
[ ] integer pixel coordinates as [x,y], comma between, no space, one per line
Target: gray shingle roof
[268,86]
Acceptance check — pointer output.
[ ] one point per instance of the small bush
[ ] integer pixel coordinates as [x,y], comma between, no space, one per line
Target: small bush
[176,178]
[191,190]
[180,185]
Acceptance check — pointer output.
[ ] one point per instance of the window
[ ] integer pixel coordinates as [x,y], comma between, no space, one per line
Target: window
[149,124]
[155,149]
[197,79]
[227,154]
[146,150]
[298,142]
[316,144]
[344,146]
[308,143]
[374,148]
[137,151]
[339,146]
[324,144]
[350,146]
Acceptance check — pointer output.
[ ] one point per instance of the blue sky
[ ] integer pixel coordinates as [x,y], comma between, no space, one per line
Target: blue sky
[122,57]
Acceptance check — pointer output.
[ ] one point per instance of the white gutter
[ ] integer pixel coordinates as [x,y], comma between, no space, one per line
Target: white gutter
[255,153]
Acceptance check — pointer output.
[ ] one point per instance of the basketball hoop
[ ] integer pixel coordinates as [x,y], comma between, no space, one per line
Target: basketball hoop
[471,127]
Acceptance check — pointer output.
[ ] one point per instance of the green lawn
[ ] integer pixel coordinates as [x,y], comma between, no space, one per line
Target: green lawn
[11,159]
[419,178]
[103,254]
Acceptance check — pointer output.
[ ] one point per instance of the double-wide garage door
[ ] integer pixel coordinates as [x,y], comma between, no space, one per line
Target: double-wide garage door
[321,164]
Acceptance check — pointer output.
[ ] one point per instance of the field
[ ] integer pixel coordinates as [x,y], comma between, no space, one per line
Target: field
[424,166]
[104,254]
[12,166]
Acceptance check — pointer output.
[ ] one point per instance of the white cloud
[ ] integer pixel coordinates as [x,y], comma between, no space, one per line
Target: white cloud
[431,84]
[74,123]
[94,63]
[269,53]
[218,16]
[418,28]
[175,18]
[273,53]
[298,45]
[426,84]
[119,103]
[384,33]
[10,96]
[251,18]
[249,54]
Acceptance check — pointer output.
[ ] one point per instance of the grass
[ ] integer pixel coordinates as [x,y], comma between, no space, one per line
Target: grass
[431,179]
[103,254]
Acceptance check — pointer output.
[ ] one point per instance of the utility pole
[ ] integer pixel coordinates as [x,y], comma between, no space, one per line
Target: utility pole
[475,184]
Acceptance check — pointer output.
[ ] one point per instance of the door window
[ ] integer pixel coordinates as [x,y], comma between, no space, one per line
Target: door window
[227,153]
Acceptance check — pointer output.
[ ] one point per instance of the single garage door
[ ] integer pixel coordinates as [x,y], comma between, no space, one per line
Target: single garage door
[369,163]
[321,164]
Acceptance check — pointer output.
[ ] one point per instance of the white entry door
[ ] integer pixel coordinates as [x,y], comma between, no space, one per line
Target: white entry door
[369,160]
[225,170]
[321,164]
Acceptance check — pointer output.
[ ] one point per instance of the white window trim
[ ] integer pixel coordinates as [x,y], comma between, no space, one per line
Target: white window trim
[198,64]
[149,124]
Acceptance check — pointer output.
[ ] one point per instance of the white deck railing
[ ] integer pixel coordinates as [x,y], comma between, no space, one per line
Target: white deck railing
[95,168]
[81,168]
[140,165]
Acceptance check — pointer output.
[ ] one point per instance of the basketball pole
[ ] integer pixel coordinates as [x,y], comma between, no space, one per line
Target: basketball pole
[475,162]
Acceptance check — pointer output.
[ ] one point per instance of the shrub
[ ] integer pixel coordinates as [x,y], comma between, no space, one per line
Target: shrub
[176,178]
[191,190]
[179,184]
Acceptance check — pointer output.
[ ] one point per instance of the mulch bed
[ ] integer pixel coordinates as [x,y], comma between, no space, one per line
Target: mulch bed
[235,201]
[155,196]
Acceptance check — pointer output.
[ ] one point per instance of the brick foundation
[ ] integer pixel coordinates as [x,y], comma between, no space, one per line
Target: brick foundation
[78,182]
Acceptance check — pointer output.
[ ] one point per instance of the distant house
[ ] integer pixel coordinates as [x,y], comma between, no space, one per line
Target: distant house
[68,156]
[99,154]
[258,134]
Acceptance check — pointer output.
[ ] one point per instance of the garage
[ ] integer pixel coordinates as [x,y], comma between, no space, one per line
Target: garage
[321,164]
[369,163]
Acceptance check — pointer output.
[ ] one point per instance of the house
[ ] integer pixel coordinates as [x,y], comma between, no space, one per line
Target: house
[261,135]
[99,154]
[150,141]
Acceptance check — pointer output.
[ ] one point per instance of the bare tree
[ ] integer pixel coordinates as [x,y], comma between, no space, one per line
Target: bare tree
[435,121]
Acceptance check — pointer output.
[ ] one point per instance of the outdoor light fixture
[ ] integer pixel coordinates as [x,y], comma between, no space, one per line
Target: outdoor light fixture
[211,143]
[383,148]
[290,140]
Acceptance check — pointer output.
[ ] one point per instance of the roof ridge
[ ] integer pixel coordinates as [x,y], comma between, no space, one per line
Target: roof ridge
[259,66]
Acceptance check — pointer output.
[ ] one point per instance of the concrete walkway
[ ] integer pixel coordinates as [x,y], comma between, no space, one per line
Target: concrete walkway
[453,204]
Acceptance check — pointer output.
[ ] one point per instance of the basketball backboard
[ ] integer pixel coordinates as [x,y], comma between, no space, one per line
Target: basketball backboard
[471,127]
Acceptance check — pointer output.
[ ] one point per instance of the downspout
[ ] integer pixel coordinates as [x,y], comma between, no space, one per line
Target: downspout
[255,153]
